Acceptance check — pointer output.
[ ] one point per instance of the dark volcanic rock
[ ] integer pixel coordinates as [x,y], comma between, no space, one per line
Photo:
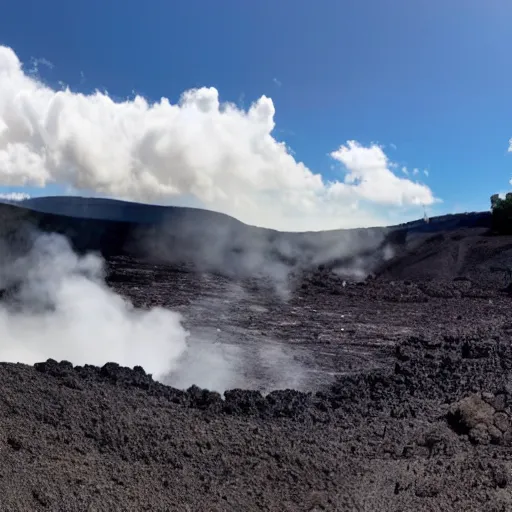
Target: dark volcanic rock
[403,402]
[126,433]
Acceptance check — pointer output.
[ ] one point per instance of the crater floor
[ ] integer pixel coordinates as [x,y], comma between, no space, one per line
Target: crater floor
[402,401]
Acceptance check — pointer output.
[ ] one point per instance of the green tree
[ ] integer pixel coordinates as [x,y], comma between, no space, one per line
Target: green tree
[502,214]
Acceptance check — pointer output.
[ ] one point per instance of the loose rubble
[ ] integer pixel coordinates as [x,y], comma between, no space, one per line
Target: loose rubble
[409,406]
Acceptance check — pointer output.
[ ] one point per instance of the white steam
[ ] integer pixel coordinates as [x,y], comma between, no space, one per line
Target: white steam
[60,308]
[199,150]
[224,356]
[57,305]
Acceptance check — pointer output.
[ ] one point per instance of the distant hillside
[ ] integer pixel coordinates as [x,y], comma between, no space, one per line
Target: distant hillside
[218,242]
[139,213]
[448,222]
[116,210]
[208,240]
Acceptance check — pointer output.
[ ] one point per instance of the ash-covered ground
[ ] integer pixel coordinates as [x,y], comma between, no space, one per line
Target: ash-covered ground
[390,394]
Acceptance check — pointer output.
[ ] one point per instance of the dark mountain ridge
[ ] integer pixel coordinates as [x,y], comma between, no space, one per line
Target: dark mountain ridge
[215,241]
[140,213]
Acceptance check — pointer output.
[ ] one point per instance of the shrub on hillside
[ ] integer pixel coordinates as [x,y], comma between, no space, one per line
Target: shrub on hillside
[502,214]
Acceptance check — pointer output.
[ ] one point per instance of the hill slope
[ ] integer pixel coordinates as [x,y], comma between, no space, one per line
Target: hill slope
[217,242]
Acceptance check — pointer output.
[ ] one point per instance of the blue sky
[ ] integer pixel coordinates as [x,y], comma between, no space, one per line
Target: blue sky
[429,78]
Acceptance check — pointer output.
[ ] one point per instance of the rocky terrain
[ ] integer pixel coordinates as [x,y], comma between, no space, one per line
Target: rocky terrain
[392,393]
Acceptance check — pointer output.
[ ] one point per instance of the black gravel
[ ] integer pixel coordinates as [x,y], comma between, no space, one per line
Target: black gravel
[406,402]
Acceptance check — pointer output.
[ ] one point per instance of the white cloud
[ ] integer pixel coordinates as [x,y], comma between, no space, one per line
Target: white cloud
[370,178]
[14,196]
[222,155]
[425,172]
[404,170]
[415,172]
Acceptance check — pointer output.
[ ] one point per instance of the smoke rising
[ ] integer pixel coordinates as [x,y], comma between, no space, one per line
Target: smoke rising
[200,151]
[59,307]
[223,245]
[56,304]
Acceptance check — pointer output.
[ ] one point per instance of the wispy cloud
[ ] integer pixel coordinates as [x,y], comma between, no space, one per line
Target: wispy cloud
[36,62]
[277,82]
[241,101]
[14,196]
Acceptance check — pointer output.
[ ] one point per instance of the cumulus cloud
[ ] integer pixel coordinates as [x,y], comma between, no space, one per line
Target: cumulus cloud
[369,177]
[222,156]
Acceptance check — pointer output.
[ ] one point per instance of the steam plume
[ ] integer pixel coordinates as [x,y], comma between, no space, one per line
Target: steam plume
[60,307]
[56,305]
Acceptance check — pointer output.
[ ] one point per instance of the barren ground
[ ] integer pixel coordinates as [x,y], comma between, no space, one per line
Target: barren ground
[402,397]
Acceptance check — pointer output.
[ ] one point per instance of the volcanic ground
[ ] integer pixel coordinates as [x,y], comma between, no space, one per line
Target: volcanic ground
[392,393]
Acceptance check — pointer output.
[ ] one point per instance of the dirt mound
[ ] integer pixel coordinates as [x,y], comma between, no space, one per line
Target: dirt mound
[466,252]
[485,418]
